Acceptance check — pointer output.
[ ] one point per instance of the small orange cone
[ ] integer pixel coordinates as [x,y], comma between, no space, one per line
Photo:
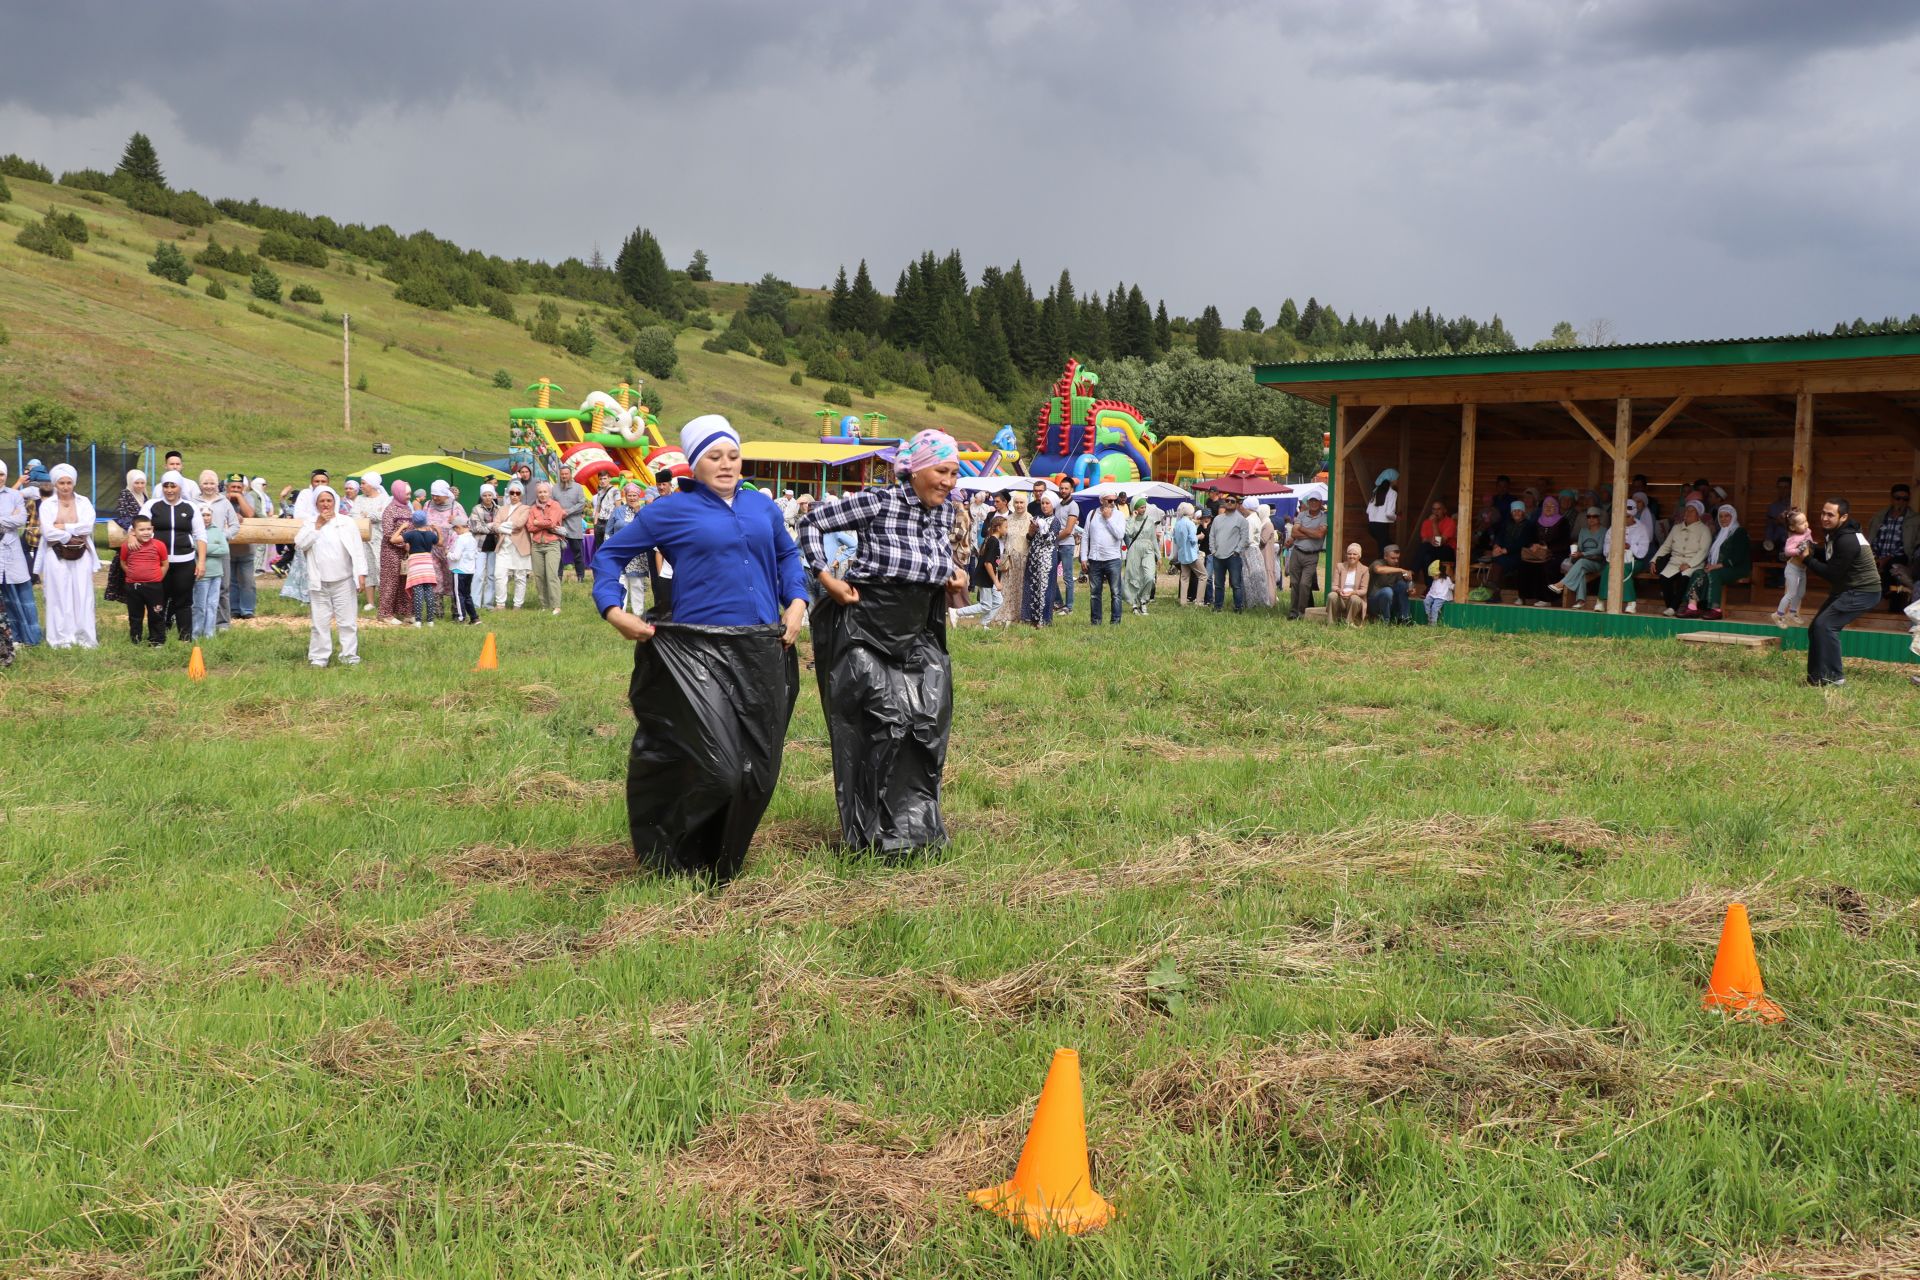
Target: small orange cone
[196,665]
[1735,985]
[489,656]
[1052,1187]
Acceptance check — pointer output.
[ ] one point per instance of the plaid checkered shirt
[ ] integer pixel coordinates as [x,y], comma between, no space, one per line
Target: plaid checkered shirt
[901,539]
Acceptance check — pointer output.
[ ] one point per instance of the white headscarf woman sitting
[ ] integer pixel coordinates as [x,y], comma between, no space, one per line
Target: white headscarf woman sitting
[66,563]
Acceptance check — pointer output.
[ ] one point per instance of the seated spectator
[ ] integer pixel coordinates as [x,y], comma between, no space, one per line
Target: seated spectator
[1587,562]
[1438,535]
[1895,534]
[1509,537]
[1541,558]
[1681,561]
[1729,557]
[1390,586]
[1347,598]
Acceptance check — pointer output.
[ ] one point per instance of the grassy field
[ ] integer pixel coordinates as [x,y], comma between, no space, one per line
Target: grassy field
[1383,953]
[147,361]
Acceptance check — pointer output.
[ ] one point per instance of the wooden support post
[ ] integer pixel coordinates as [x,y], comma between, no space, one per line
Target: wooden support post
[1336,500]
[1617,535]
[1802,449]
[1464,515]
[1401,533]
[1742,477]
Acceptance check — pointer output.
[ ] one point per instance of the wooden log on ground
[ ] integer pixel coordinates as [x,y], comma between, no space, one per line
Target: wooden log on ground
[261,531]
[1739,639]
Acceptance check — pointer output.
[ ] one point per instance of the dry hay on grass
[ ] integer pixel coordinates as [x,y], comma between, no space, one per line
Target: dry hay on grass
[377,1051]
[1892,1258]
[546,786]
[868,1188]
[268,1231]
[94,1264]
[795,835]
[1692,919]
[575,866]
[81,880]
[539,699]
[107,980]
[434,946]
[1445,843]
[1309,1088]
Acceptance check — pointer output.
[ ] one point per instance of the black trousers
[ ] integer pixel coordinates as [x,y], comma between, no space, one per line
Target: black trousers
[178,589]
[146,606]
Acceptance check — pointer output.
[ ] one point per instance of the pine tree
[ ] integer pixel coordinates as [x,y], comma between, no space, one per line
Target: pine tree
[1091,339]
[1251,322]
[1207,334]
[1162,328]
[1141,343]
[992,361]
[597,262]
[698,268]
[838,305]
[769,298]
[642,271]
[1308,318]
[140,164]
[1053,337]
[865,309]
[1288,321]
[1018,316]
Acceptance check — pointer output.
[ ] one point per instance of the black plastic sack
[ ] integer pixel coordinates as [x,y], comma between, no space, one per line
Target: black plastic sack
[886,686]
[710,706]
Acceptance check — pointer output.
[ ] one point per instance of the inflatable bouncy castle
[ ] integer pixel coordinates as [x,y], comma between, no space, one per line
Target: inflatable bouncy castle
[609,439]
[1087,438]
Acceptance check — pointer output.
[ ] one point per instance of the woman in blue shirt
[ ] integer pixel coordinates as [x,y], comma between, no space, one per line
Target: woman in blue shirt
[712,689]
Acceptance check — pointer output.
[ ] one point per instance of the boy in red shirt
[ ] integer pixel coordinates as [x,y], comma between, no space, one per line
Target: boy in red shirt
[144,559]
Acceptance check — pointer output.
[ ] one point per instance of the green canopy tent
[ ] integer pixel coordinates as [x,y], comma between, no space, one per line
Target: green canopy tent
[421,470]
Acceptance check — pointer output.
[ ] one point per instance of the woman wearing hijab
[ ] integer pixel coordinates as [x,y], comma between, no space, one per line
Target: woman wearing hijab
[1684,552]
[1253,556]
[880,648]
[712,690]
[1383,509]
[132,498]
[1540,559]
[1141,564]
[441,508]
[1729,557]
[1036,600]
[1013,568]
[66,563]
[1587,560]
[1639,546]
[395,602]
[370,506]
[178,525]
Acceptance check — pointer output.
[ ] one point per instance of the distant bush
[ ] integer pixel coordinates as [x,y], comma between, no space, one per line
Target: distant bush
[265,285]
[361,383]
[839,396]
[216,291]
[546,323]
[169,263]
[13,166]
[70,225]
[42,238]
[578,338]
[44,420]
[305,293]
[775,352]
[500,307]
[424,289]
[6,192]
[654,353]
[701,320]
[797,378]
[5,337]
[281,247]
[233,258]
[258,310]
[502,379]
[86,180]
[650,400]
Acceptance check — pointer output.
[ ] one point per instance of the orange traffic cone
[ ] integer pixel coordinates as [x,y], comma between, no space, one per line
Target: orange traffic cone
[196,665]
[1735,985]
[1052,1187]
[489,656]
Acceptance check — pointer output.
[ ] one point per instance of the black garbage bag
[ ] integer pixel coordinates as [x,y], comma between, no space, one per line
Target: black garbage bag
[886,686]
[710,706]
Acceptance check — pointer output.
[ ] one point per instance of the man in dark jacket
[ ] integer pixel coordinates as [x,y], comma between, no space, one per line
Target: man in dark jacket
[1853,586]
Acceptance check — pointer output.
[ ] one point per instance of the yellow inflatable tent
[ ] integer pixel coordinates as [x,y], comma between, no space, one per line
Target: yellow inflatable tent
[1183,459]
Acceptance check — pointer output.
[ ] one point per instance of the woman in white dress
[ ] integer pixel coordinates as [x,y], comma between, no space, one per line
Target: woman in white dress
[66,521]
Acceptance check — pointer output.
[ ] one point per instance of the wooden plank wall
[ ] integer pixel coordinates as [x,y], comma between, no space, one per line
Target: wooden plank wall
[1858,468]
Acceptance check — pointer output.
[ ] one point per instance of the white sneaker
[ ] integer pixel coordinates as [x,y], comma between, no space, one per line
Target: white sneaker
[953,617]
[1669,613]
[1599,606]
[416,622]
[1632,606]
[556,613]
[366,608]
[429,622]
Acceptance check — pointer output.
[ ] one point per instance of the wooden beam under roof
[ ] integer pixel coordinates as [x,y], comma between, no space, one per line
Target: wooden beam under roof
[1888,414]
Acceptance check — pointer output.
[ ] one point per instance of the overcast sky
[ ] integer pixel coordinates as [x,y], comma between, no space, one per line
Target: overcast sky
[1681,168]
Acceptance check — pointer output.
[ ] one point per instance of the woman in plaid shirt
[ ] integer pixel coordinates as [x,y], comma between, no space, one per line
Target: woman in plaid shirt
[880,648]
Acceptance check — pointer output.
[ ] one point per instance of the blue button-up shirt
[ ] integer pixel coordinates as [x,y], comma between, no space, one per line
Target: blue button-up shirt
[1186,541]
[733,566]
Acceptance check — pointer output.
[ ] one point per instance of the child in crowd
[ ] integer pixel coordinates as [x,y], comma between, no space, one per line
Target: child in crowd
[423,576]
[143,558]
[462,560]
[986,574]
[206,589]
[1799,538]
[1439,589]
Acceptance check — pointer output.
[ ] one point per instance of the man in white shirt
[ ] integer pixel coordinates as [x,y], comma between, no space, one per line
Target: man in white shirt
[336,572]
[370,506]
[303,505]
[1106,549]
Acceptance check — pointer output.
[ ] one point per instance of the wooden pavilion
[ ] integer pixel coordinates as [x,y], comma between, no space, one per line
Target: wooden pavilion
[1840,416]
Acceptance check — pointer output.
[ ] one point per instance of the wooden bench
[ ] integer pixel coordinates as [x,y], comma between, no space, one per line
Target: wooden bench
[1739,640]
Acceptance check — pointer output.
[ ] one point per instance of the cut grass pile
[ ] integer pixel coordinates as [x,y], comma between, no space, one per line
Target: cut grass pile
[1382,952]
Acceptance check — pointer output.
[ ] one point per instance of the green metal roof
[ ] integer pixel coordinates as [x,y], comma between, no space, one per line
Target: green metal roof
[1640,355]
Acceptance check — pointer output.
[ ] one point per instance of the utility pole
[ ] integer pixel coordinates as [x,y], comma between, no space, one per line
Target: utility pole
[346,383]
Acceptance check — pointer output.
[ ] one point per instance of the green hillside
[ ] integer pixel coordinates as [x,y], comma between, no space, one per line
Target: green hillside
[143,360]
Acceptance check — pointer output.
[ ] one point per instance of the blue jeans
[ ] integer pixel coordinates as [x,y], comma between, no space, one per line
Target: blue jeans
[206,607]
[23,616]
[1390,603]
[1103,573]
[988,605]
[242,590]
[1063,556]
[1823,633]
[1224,570]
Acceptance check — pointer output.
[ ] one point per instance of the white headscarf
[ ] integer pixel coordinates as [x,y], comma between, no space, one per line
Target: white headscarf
[703,433]
[440,489]
[1639,527]
[136,476]
[1720,538]
[173,477]
[62,469]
